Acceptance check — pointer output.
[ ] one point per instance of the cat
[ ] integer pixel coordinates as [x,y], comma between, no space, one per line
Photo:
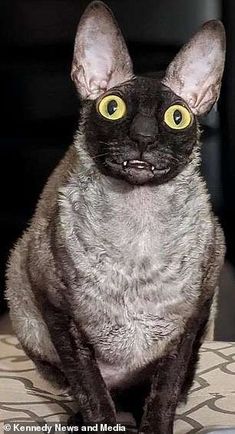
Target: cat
[111,286]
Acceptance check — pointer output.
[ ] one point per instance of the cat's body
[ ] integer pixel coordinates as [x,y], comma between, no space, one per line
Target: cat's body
[112,283]
[129,245]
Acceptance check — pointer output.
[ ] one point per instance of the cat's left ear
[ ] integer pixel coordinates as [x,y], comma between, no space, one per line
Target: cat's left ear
[101,58]
[196,72]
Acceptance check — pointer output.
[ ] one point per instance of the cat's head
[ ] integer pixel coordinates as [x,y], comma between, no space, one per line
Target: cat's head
[137,128]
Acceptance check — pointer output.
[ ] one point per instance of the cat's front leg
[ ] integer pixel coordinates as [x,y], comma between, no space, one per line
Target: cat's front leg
[161,404]
[171,374]
[79,366]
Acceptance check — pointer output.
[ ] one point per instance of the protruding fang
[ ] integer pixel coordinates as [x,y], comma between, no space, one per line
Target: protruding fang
[124,163]
[152,168]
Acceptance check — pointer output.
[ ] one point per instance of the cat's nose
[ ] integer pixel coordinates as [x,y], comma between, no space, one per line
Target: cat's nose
[143,130]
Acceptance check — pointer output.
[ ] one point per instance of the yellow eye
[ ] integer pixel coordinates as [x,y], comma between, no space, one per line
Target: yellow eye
[112,107]
[177,117]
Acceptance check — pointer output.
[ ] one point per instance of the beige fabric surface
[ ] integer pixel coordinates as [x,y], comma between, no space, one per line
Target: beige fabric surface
[24,396]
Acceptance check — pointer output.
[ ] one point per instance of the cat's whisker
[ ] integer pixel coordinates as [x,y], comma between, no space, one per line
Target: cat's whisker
[99,155]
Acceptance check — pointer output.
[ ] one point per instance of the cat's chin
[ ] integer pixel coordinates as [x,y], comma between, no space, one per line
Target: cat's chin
[138,176]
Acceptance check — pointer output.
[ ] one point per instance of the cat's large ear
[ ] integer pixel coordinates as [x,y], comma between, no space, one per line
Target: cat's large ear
[101,58]
[196,72]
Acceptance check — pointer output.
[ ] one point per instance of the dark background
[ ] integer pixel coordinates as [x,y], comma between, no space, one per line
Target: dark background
[40,108]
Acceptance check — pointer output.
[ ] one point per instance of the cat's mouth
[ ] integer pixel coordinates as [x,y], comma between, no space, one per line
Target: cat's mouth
[137,171]
[141,165]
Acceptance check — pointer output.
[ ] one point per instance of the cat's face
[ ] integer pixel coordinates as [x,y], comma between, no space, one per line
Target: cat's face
[142,129]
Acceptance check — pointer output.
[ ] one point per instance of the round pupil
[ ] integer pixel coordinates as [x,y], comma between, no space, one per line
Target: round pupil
[177,117]
[112,107]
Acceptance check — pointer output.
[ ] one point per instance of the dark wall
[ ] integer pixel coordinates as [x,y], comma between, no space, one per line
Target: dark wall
[40,107]
[228,124]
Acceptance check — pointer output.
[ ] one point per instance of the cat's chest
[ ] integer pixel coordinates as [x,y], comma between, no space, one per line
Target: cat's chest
[134,263]
[130,316]
[131,299]
[135,252]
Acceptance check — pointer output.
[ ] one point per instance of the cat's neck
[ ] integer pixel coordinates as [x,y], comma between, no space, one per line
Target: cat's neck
[105,208]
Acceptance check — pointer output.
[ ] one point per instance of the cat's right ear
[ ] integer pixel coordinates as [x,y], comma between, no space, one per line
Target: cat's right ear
[101,58]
